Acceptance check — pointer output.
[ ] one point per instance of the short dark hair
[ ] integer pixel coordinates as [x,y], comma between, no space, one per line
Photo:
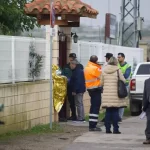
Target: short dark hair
[94,58]
[122,55]
[108,55]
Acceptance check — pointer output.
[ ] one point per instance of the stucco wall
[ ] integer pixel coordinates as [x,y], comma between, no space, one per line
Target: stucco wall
[26,105]
[145,47]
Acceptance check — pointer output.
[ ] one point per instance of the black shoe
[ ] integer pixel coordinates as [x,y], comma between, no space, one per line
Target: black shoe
[62,120]
[120,120]
[108,132]
[72,118]
[95,129]
[116,132]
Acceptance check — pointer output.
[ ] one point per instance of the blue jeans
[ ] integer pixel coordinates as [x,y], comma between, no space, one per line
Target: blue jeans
[112,116]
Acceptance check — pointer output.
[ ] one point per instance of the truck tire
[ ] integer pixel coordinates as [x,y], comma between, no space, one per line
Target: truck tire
[135,107]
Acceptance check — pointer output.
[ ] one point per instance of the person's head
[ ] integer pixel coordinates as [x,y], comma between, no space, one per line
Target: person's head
[113,61]
[72,56]
[94,59]
[73,64]
[121,57]
[108,56]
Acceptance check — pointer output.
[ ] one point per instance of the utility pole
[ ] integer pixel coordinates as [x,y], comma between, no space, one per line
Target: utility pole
[129,34]
[52,23]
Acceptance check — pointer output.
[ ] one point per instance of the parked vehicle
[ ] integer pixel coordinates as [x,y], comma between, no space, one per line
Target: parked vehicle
[141,73]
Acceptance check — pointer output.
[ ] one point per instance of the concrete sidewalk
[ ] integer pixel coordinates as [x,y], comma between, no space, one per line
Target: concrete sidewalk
[131,138]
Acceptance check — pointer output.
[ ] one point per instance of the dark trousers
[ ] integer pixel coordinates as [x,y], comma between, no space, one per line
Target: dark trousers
[71,100]
[147,130]
[95,107]
[112,116]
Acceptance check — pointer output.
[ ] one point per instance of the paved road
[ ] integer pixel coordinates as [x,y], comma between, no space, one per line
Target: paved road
[131,138]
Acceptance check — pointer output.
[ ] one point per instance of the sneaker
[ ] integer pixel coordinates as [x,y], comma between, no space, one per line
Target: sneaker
[95,129]
[79,121]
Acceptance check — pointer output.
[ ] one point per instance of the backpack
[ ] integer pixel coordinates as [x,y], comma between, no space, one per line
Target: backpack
[122,90]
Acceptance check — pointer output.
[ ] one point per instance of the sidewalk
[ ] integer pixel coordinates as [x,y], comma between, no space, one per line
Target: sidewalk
[131,138]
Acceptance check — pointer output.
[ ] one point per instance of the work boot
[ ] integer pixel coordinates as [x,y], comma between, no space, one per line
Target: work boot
[146,142]
[95,129]
[116,132]
[109,132]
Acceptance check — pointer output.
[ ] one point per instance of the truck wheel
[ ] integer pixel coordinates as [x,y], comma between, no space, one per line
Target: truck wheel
[135,108]
[134,113]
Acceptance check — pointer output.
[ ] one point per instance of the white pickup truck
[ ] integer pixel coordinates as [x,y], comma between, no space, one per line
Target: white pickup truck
[141,73]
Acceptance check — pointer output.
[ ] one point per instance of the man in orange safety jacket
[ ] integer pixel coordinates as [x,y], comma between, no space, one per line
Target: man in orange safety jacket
[92,73]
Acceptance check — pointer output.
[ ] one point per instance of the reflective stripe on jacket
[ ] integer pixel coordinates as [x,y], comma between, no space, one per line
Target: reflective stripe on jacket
[92,74]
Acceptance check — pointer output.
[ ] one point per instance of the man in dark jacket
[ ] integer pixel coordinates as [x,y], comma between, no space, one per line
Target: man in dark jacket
[77,84]
[146,108]
[68,73]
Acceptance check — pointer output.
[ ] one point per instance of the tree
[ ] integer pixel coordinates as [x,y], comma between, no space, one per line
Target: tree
[35,62]
[12,17]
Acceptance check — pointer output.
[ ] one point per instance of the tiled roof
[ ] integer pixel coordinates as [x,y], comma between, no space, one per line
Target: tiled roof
[61,7]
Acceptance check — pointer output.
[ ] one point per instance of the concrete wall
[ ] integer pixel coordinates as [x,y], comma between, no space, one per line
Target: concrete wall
[26,105]
[146,49]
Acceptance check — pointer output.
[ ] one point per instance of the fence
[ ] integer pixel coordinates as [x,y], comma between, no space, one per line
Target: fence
[14,58]
[85,49]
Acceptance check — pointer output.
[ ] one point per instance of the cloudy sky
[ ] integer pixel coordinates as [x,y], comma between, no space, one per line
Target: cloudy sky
[102,7]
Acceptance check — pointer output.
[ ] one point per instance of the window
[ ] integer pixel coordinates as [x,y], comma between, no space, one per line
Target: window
[144,69]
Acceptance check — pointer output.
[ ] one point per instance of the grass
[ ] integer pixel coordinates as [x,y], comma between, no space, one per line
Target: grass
[102,114]
[39,129]
[127,112]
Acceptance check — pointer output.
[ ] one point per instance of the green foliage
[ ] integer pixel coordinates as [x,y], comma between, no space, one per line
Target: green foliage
[35,62]
[39,129]
[13,19]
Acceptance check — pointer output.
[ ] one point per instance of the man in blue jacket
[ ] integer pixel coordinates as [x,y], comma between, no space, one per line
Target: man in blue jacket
[68,73]
[146,108]
[77,84]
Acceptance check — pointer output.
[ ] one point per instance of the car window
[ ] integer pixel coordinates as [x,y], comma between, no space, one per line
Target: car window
[144,69]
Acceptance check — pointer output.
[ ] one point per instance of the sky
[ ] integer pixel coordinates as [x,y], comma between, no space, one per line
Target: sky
[102,7]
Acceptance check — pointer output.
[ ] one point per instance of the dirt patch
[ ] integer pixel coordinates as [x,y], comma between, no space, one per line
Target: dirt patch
[52,141]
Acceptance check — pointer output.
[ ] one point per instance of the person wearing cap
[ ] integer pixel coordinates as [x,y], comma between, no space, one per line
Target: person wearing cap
[107,56]
[77,84]
[68,73]
[92,73]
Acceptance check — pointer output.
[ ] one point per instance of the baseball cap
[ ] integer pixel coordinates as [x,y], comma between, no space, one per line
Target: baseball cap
[73,55]
[108,55]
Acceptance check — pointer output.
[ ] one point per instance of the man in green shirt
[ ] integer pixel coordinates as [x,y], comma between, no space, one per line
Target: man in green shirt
[68,73]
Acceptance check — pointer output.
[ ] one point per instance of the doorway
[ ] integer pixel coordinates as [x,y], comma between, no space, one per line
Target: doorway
[62,62]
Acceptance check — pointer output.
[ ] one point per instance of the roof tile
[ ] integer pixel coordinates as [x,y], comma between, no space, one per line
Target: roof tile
[61,6]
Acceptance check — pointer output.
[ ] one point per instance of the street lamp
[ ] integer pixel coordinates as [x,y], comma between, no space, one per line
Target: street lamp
[75,37]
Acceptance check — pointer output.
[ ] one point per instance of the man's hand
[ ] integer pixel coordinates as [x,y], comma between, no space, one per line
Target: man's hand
[73,93]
